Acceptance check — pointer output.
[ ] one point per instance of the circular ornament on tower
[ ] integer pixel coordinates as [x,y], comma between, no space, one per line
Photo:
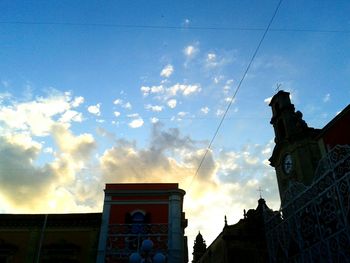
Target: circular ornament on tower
[287,164]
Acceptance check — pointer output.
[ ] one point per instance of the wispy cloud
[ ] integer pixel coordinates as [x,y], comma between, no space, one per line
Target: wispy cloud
[327,97]
[121,103]
[155,108]
[205,110]
[167,71]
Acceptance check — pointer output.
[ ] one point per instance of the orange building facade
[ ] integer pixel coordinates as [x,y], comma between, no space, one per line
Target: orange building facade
[135,212]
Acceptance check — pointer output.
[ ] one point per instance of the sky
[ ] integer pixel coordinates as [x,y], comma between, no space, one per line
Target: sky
[95,92]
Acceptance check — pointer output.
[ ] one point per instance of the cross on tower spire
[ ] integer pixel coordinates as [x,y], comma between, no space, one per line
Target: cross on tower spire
[260,191]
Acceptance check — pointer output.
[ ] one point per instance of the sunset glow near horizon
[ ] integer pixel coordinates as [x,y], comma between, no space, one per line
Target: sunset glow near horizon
[124,91]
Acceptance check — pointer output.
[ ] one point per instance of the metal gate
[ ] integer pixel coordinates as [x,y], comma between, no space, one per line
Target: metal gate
[313,225]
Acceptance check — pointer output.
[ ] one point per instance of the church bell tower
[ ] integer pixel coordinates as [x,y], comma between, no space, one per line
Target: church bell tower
[296,152]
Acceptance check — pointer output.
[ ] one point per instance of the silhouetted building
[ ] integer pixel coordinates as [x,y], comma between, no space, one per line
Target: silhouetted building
[241,242]
[313,174]
[131,214]
[199,248]
[53,238]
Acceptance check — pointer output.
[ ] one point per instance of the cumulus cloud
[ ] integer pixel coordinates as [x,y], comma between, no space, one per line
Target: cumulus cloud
[154,163]
[147,90]
[95,109]
[183,89]
[167,71]
[21,179]
[172,103]
[71,115]
[154,120]
[77,101]
[136,123]
[116,113]
[37,116]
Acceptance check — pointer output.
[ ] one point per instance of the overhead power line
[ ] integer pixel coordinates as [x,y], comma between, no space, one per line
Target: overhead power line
[162,27]
[236,91]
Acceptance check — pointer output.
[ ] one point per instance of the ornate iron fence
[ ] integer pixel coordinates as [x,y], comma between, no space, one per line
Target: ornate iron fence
[314,222]
[124,239]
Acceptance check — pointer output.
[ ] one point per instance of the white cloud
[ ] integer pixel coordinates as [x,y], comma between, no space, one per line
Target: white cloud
[212,60]
[127,106]
[268,100]
[220,112]
[211,57]
[167,71]
[137,123]
[154,120]
[116,113]
[48,150]
[37,116]
[230,99]
[155,108]
[327,97]
[77,101]
[21,179]
[190,51]
[152,90]
[71,115]
[118,102]
[121,103]
[4,96]
[133,115]
[182,114]
[205,110]
[95,109]
[183,89]
[172,103]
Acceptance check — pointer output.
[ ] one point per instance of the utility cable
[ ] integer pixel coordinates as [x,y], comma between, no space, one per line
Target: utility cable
[235,93]
[160,27]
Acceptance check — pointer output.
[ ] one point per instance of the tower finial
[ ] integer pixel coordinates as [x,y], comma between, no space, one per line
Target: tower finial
[278,85]
[225,220]
[260,192]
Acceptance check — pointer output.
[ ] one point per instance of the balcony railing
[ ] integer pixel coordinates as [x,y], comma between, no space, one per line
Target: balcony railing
[124,239]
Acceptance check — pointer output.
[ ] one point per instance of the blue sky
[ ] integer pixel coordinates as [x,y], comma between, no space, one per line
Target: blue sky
[133,91]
